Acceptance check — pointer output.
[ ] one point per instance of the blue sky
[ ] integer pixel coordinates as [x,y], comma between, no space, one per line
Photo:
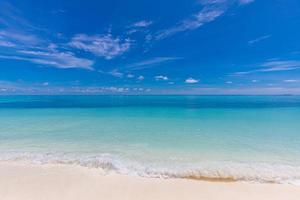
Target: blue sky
[150,47]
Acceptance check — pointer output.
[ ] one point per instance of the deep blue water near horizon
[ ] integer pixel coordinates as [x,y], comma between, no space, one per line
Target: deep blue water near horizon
[248,138]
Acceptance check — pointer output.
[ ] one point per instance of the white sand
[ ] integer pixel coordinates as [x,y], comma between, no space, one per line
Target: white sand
[62,182]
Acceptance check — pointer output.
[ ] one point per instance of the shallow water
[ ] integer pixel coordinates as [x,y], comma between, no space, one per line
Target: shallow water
[250,138]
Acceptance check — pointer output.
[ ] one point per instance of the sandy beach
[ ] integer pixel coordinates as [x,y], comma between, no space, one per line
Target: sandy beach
[22,181]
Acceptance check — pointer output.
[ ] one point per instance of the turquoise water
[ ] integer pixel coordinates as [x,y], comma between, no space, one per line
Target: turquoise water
[247,138]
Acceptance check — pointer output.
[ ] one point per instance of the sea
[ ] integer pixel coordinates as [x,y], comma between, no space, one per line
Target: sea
[215,138]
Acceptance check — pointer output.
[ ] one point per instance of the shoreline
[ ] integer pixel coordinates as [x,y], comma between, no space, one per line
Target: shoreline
[69,182]
[212,172]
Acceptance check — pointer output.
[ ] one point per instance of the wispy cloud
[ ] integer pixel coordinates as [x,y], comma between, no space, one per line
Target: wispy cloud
[244,2]
[251,42]
[211,10]
[142,23]
[204,16]
[291,81]
[281,65]
[15,30]
[62,60]
[151,62]
[116,73]
[273,66]
[18,37]
[6,43]
[209,2]
[43,54]
[119,72]
[130,76]
[11,18]
[191,80]
[101,45]
[140,26]
[24,42]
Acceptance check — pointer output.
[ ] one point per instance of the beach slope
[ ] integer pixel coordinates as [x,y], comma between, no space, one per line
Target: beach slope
[20,181]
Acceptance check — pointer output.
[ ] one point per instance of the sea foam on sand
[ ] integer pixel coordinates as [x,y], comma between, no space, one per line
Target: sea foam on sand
[209,171]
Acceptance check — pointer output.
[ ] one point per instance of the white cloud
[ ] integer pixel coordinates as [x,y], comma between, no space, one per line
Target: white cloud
[212,9]
[140,78]
[251,42]
[24,43]
[243,2]
[142,23]
[130,76]
[191,80]
[10,18]
[19,37]
[15,30]
[25,46]
[134,30]
[281,65]
[291,81]
[6,44]
[154,61]
[160,77]
[62,60]
[101,45]
[139,26]
[273,66]
[116,73]
[35,51]
[204,16]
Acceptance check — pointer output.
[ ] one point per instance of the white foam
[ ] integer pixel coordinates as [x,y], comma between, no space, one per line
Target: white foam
[250,172]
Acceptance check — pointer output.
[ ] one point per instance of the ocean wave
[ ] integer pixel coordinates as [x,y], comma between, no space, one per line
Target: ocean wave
[224,171]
